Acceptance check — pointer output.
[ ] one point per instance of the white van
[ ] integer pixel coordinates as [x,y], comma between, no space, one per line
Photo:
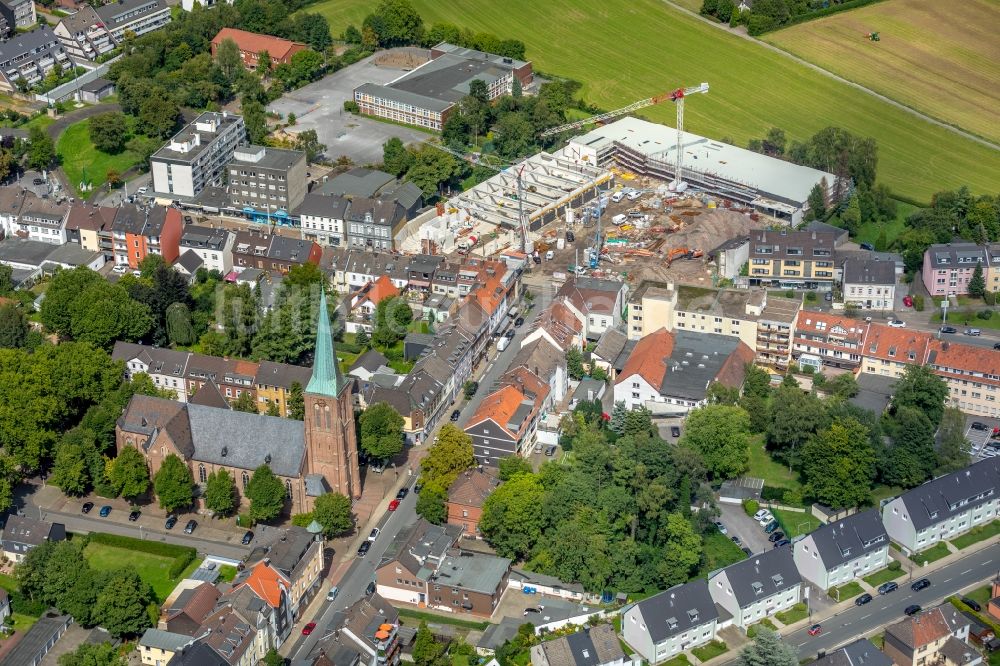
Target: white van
[502,343]
[619,219]
[618,196]
[550,255]
[633,195]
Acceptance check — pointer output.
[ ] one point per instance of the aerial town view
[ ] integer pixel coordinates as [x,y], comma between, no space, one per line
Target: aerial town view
[468,333]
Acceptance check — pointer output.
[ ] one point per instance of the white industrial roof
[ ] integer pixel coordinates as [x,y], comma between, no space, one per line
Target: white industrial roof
[770,175]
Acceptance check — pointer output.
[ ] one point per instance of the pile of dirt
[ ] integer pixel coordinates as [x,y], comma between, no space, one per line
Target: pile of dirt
[402,58]
[712,228]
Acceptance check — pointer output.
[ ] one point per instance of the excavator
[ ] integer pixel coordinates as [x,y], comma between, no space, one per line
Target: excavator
[682,253]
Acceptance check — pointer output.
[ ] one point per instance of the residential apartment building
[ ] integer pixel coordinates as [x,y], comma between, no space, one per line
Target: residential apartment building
[187,607]
[426,95]
[272,253]
[506,421]
[269,179]
[139,232]
[889,351]
[84,34]
[367,634]
[298,559]
[21,534]
[196,157]
[373,224]
[213,246]
[166,367]
[468,583]
[673,621]
[869,284]
[274,384]
[91,227]
[27,58]
[252,44]
[545,360]
[16,15]
[41,219]
[599,303]
[829,339]
[133,17]
[948,268]
[944,507]
[591,646]
[322,218]
[934,637]
[157,647]
[861,652]
[466,496]
[792,259]
[407,564]
[669,373]
[838,552]
[757,587]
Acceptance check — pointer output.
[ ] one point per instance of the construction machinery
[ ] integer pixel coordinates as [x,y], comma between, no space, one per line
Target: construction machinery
[682,253]
[873,36]
[678,97]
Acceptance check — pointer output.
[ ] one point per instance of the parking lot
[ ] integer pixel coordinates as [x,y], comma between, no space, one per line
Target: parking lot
[743,526]
[320,106]
[979,431]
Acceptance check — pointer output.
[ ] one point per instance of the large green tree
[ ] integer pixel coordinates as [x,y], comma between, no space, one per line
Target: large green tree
[333,512]
[977,283]
[220,492]
[108,132]
[381,431]
[921,389]
[767,649]
[395,23]
[266,493]
[121,607]
[129,473]
[431,505]
[911,458]
[952,446]
[682,553]
[13,326]
[173,484]
[41,149]
[721,434]
[839,464]
[511,519]
[795,416]
[395,158]
[446,458]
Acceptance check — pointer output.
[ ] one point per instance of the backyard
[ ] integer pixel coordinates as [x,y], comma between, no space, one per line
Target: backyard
[775,474]
[794,614]
[710,650]
[794,523]
[719,551]
[154,569]
[78,155]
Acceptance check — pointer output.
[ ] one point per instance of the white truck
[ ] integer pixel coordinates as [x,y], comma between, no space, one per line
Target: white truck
[502,343]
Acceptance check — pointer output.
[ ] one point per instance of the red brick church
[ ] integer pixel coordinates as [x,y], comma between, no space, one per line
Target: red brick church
[312,458]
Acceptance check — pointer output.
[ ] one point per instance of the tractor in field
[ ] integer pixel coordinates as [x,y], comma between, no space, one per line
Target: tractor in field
[872,37]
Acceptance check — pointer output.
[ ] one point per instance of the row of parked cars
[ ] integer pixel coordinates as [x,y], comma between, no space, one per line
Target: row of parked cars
[770,525]
[171,521]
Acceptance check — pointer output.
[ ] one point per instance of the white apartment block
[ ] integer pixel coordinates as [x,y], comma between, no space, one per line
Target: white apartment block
[196,157]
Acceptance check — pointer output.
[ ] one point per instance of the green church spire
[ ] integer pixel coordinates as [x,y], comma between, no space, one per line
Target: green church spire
[326,378]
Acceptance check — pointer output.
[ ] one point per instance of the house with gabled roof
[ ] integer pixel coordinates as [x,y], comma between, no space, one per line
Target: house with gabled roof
[184,611]
[673,621]
[861,652]
[560,325]
[409,561]
[21,534]
[591,646]
[945,507]
[506,421]
[757,587]
[845,549]
[597,302]
[466,496]
[930,637]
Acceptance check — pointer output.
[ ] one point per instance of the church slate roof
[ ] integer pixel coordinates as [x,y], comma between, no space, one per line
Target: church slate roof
[248,440]
[326,376]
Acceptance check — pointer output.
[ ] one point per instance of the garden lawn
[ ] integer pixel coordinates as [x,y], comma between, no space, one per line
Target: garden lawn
[762,466]
[941,59]
[847,591]
[883,576]
[797,612]
[8,583]
[794,523]
[78,154]
[151,568]
[980,594]
[710,650]
[679,660]
[977,534]
[752,87]
[932,554]
[969,317]
[754,628]
[870,231]
[719,552]
[442,619]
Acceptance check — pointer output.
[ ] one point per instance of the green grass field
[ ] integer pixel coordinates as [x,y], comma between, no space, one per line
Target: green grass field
[797,612]
[976,535]
[883,576]
[752,88]
[762,466]
[846,591]
[932,554]
[709,650]
[941,59]
[720,551]
[151,568]
[870,231]
[794,523]
[78,153]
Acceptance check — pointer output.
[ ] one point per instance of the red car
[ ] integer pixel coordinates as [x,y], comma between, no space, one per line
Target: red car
[393,505]
[816,630]
[308,629]
[908,301]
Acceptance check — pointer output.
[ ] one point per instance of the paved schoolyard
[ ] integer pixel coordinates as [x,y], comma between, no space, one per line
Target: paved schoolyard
[320,106]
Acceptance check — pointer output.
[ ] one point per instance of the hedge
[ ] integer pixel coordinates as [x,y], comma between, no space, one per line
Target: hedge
[826,11]
[181,563]
[149,547]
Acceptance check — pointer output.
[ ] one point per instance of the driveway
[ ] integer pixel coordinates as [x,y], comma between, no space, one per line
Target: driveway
[320,106]
[746,528]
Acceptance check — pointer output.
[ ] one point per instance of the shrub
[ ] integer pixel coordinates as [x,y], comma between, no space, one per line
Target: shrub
[351,106]
[149,547]
[811,296]
[990,297]
[773,494]
[181,563]
[790,294]
[25,606]
[751,506]
[895,565]
[793,497]
[918,302]
[985,315]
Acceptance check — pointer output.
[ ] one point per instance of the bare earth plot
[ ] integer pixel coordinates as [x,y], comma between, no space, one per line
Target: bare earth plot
[624,50]
[942,59]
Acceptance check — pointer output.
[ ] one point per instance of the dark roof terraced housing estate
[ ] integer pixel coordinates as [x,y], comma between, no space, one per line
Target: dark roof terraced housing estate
[676,610]
[22,54]
[954,255]
[591,646]
[849,538]
[762,575]
[861,652]
[951,494]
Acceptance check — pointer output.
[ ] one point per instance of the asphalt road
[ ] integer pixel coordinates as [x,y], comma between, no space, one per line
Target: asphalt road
[859,621]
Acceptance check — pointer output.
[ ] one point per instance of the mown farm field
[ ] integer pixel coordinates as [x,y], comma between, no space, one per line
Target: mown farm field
[941,59]
[622,51]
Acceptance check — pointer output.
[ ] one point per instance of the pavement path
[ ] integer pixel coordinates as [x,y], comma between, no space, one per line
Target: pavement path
[836,77]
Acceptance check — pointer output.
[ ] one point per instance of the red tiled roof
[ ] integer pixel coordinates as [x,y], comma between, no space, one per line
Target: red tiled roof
[950,357]
[473,487]
[921,630]
[498,406]
[252,42]
[734,370]
[648,358]
[900,345]
[266,582]
[827,324]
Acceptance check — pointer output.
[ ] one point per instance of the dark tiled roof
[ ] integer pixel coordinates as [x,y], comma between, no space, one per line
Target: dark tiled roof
[770,572]
[873,271]
[256,440]
[677,610]
[590,647]
[849,538]
[862,652]
[947,495]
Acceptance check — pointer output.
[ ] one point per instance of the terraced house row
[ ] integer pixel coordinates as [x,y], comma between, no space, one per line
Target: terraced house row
[972,373]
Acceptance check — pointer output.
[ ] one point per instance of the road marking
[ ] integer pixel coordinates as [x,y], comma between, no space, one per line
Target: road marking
[965,572]
[987,561]
[867,616]
[946,580]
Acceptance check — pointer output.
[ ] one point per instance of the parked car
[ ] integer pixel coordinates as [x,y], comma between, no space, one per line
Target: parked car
[996,345]
[974,332]
[550,450]
[134,516]
[746,551]
[37,181]
[455,415]
[171,521]
[766,519]
[370,590]
[896,323]
[247,538]
[393,505]
[886,588]
[908,301]
[332,594]
[518,322]
[675,431]
[190,527]
[403,492]
[722,528]
[374,534]
[828,296]
[363,548]
[921,584]
[87,506]
[538,447]
[782,543]
[816,630]
[979,425]
[912,609]
[867,246]
[863,599]
[105,511]
[948,329]
[570,237]
[771,526]
[120,269]
[735,539]
[972,603]
[308,629]
[776,536]
[761,513]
